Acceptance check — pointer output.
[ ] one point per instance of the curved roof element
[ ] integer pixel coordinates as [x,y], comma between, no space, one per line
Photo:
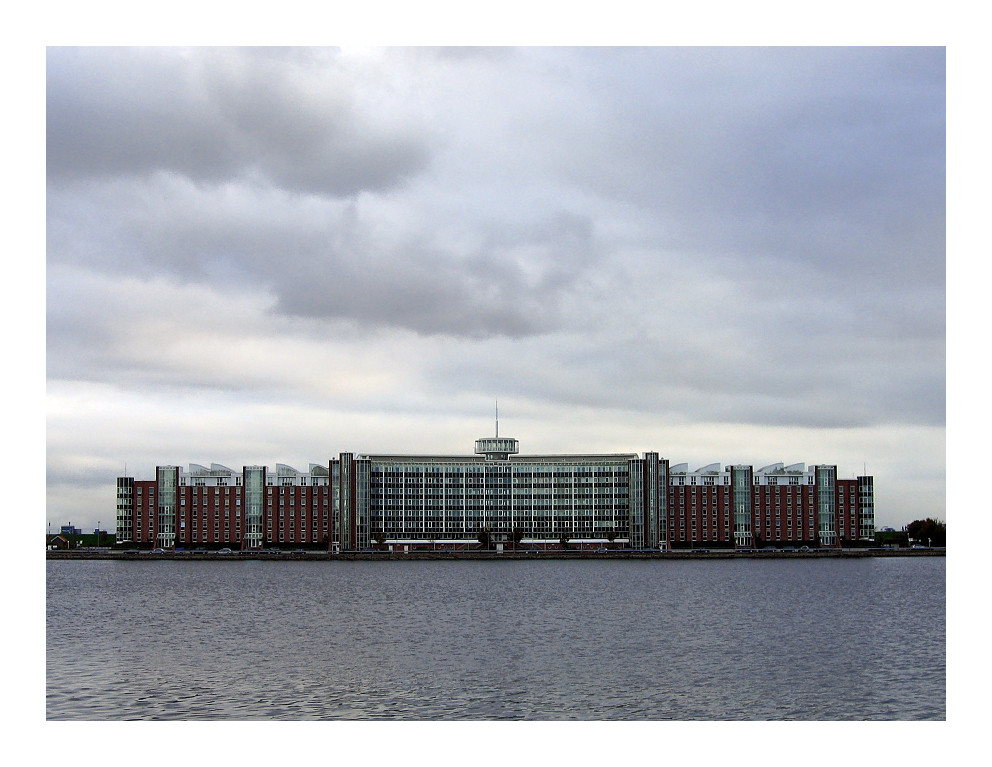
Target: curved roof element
[710,468]
[282,470]
[772,468]
[797,467]
[679,468]
[217,468]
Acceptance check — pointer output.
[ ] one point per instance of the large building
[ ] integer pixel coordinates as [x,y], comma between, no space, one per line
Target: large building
[494,498]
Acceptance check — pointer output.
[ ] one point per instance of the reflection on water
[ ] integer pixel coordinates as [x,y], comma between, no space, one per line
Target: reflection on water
[559,639]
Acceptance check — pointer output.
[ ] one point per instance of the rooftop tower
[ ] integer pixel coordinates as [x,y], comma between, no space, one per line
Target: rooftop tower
[497,448]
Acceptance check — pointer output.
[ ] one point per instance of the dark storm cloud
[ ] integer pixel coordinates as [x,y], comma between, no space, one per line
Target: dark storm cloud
[292,120]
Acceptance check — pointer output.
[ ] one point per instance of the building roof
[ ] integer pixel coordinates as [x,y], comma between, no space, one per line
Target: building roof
[481,459]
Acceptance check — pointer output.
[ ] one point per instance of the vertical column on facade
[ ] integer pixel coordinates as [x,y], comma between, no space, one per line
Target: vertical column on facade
[651,500]
[362,490]
[344,502]
[351,490]
[124,529]
[741,483]
[663,504]
[826,504]
[424,501]
[575,494]
[167,478]
[253,503]
[635,497]
[334,509]
[866,506]
[182,512]
[486,502]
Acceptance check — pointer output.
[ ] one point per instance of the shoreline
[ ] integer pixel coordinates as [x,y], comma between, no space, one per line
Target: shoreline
[367,556]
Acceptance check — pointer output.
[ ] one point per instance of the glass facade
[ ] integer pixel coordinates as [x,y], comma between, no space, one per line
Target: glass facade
[441,498]
[866,506]
[254,503]
[741,482]
[167,477]
[826,482]
[125,516]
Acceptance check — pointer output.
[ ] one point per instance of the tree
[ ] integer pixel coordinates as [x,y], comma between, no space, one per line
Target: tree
[611,535]
[518,535]
[929,531]
[563,540]
[379,538]
[891,538]
[484,537]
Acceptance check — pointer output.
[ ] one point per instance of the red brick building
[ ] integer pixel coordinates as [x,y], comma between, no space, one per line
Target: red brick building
[616,500]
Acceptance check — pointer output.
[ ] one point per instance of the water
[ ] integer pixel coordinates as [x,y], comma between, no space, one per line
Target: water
[547,640]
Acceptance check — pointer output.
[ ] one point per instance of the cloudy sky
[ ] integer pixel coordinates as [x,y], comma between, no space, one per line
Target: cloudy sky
[276,255]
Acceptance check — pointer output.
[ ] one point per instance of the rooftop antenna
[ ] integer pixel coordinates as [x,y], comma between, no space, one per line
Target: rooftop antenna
[497,418]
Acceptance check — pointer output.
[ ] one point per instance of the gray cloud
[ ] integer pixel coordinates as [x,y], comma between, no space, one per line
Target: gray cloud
[831,158]
[828,156]
[296,122]
[328,260]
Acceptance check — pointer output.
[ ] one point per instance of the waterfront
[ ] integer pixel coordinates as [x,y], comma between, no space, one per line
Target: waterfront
[806,639]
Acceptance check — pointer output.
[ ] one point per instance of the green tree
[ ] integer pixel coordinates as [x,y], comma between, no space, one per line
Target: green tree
[611,535]
[929,531]
[894,538]
[563,540]
[484,537]
[518,535]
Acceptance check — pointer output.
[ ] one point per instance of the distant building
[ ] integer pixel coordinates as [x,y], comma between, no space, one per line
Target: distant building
[498,496]
[70,530]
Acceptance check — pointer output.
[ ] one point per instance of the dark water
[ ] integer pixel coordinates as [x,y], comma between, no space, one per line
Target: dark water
[728,639]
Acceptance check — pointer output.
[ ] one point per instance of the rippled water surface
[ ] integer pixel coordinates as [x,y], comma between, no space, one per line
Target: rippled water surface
[727,639]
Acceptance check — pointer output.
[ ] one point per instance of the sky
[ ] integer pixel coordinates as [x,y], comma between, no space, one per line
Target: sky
[269,255]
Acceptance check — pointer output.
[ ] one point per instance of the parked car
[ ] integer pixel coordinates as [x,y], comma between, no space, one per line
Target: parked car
[225,551]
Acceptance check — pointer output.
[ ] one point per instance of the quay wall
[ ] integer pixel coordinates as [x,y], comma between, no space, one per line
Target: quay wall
[311,556]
